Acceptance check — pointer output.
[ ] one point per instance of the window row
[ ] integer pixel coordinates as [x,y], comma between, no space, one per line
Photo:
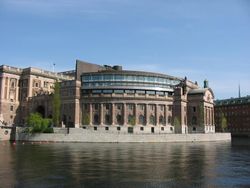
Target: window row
[99,84]
[127,91]
[121,77]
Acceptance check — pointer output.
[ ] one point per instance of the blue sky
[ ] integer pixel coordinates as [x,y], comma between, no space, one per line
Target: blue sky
[202,39]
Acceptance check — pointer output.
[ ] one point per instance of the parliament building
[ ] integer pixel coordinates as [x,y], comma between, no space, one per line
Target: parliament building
[108,98]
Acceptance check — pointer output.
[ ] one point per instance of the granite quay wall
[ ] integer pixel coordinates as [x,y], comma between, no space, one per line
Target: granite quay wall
[84,135]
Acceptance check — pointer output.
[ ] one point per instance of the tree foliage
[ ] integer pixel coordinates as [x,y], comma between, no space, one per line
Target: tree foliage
[56,104]
[85,119]
[177,123]
[223,122]
[37,124]
[131,120]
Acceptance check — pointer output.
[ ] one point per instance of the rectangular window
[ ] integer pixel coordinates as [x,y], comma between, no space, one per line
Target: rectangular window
[152,107]
[161,93]
[85,106]
[169,108]
[96,106]
[11,108]
[162,128]
[141,92]
[107,91]
[194,109]
[106,128]
[95,128]
[107,106]
[141,106]
[119,106]
[130,91]
[118,91]
[130,106]
[151,92]
[141,128]
[118,128]
[161,107]
[96,91]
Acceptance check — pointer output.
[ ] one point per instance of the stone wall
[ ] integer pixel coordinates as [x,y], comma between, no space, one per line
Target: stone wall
[85,135]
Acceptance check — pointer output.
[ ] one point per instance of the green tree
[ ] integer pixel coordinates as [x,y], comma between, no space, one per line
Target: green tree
[177,123]
[223,122]
[85,119]
[56,104]
[37,124]
[131,120]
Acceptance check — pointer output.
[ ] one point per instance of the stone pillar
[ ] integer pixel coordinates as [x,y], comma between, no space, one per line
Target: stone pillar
[124,114]
[101,114]
[166,114]
[90,114]
[156,115]
[213,116]
[113,114]
[8,88]
[146,114]
[135,111]
[2,87]
[77,114]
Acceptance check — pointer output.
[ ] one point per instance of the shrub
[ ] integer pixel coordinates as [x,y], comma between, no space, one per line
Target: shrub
[37,124]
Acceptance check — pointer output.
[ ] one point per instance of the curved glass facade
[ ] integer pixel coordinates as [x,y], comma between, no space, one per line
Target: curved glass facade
[127,80]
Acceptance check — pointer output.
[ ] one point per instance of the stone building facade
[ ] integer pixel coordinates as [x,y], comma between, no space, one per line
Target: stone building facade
[109,98]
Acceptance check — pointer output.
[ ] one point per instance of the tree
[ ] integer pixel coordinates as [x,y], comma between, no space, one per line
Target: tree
[177,124]
[86,119]
[56,104]
[37,124]
[131,120]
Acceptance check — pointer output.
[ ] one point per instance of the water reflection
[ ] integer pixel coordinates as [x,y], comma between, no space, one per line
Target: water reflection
[124,165]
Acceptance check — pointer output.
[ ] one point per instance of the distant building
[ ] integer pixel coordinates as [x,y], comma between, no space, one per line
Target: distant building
[236,111]
[110,98]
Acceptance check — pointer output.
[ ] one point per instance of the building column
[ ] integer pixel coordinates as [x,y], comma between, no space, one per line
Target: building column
[101,114]
[90,114]
[213,116]
[124,114]
[135,111]
[205,116]
[8,89]
[156,115]
[77,114]
[2,86]
[146,114]
[113,114]
[166,114]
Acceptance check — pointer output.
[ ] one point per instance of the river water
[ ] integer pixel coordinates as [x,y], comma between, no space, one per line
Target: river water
[207,164]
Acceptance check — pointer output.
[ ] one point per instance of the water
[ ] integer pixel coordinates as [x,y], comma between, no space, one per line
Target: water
[214,164]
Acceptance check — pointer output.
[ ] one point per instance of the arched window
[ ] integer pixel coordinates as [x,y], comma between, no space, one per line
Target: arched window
[119,119]
[152,120]
[141,120]
[161,120]
[96,119]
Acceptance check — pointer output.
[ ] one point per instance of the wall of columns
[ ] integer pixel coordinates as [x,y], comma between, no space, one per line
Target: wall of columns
[127,114]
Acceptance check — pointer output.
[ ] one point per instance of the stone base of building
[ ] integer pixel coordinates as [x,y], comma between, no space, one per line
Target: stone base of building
[86,135]
[5,133]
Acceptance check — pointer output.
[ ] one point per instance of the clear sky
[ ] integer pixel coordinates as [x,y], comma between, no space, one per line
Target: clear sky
[200,39]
